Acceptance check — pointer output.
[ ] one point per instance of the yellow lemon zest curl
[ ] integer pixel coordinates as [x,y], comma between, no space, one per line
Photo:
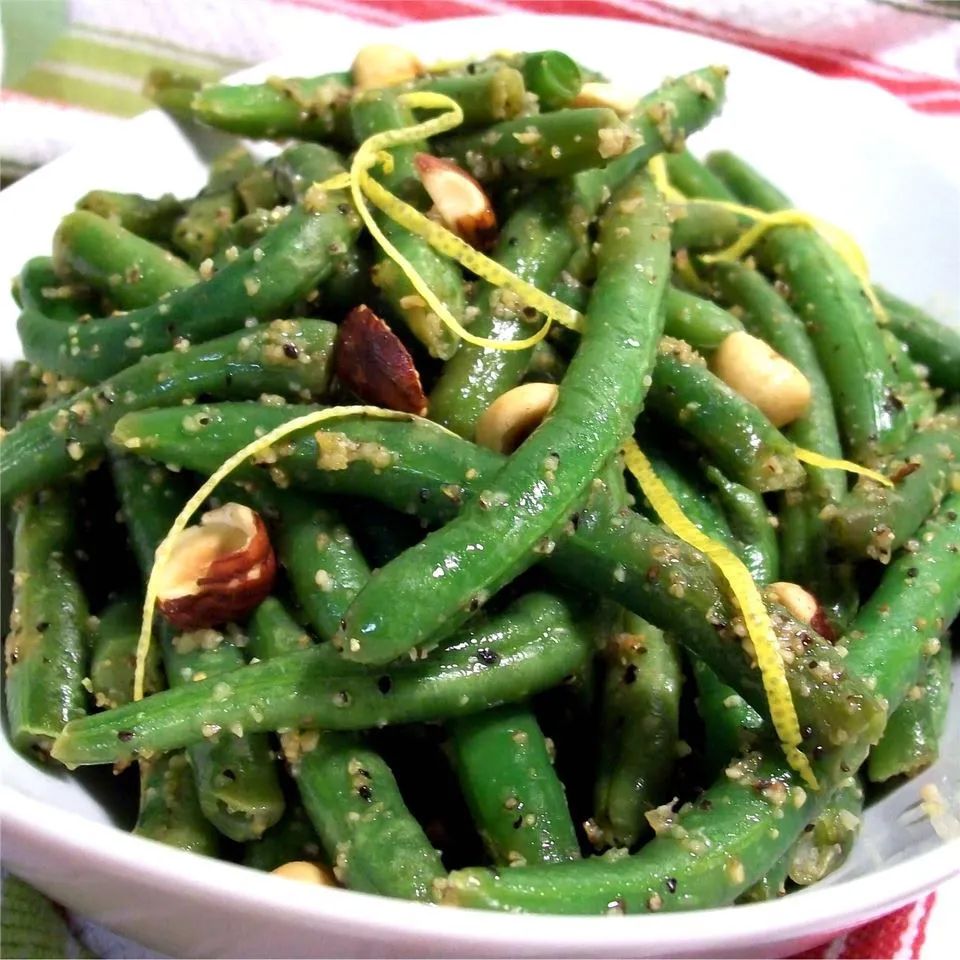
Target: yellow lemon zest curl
[364,187]
[754,611]
[763,221]
[833,463]
[165,548]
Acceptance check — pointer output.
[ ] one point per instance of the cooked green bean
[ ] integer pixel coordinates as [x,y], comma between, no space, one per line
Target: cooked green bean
[826,842]
[292,839]
[114,655]
[873,520]
[639,730]
[355,805]
[838,318]
[272,631]
[931,343]
[535,243]
[736,434]
[530,647]
[169,808]
[40,289]
[47,648]
[911,740]
[554,77]
[375,113]
[918,398]
[286,358]
[262,282]
[131,271]
[152,219]
[506,774]
[234,771]
[502,532]
[258,189]
[419,468]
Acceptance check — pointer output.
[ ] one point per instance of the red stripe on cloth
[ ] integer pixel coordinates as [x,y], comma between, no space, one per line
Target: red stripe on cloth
[911,87]
[921,934]
[882,938]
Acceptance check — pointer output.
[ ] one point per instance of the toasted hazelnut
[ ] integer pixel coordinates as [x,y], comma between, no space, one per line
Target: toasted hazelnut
[462,203]
[514,415]
[759,374]
[609,95]
[306,872]
[384,65]
[218,570]
[803,606]
[371,362]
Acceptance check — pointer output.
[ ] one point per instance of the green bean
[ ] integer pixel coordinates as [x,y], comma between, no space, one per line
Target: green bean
[323,565]
[46,650]
[234,772]
[197,233]
[731,726]
[169,808]
[286,358]
[419,468]
[699,322]
[515,797]
[114,655]
[553,77]
[171,90]
[263,282]
[699,227]
[544,146]
[839,320]
[258,189]
[540,486]
[751,524]
[41,290]
[873,520]
[804,546]
[911,742]
[132,271]
[715,848]
[23,393]
[272,631]
[530,647]
[535,243]
[639,730]
[355,805]
[383,533]
[826,842]
[735,433]
[918,399]
[694,179]
[771,886]
[547,365]
[292,839]
[931,343]
[152,219]
[244,233]
[375,113]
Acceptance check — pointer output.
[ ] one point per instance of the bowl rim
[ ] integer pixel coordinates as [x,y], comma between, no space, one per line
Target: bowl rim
[28,820]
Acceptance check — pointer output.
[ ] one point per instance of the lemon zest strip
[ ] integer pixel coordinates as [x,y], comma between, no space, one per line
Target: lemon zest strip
[833,463]
[164,549]
[842,242]
[754,611]
[364,187]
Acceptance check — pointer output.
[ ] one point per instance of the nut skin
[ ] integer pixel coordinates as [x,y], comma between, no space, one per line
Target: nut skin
[371,362]
[462,203]
[230,587]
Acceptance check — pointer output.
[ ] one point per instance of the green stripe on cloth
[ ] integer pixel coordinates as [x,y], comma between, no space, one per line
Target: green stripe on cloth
[50,82]
[31,926]
[115,59]
[228,64]
[29,28]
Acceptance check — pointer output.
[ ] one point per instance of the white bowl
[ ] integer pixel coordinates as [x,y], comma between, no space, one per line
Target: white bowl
[841,149]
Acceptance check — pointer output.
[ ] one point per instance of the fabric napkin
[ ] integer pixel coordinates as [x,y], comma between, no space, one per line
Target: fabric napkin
[72,70]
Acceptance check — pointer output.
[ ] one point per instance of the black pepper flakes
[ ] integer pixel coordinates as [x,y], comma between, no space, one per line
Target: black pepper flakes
[365,792]
[124,736]
[671,884]
[630,674]
[488,657]
[384,684]
[290,351]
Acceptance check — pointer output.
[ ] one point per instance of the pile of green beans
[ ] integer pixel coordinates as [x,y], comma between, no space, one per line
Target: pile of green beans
[478,678]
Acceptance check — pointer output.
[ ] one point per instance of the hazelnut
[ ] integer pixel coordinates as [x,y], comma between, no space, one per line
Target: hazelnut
[514,415]
[384,65]
[462,203]
[306,872]
[759,374]
[803,606]
[618,99]
[217,570]
[371,362]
